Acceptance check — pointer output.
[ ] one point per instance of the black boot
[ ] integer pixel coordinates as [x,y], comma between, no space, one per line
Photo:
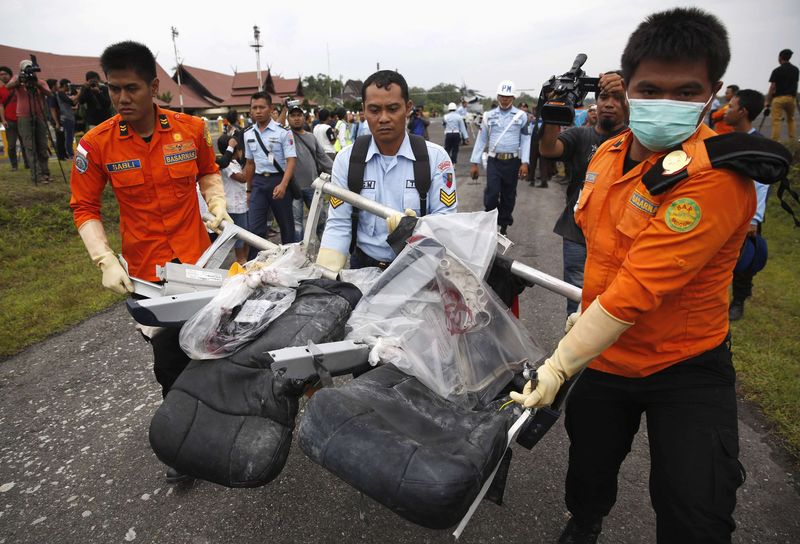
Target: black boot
[736,311]
[503,229]
[175,477]
[579,533]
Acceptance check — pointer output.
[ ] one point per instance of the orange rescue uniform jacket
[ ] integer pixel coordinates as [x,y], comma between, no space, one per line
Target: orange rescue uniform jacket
[720,126]
[154,184]
[662,262]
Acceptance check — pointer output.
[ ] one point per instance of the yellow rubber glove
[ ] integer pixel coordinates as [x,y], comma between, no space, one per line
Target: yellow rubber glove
[571,320]
[394,220]
[114,276]
[591,335]
[219,209]
[331,259]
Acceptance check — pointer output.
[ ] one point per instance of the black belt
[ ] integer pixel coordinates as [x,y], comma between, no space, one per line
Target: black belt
[366,260]
[267,174]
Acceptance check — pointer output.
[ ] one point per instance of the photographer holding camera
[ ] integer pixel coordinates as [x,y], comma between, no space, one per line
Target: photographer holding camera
[98,103]
[576,146]
[30,91]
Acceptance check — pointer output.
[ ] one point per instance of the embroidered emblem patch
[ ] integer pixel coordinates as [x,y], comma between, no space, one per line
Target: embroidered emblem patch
[81,164]
[177,136]
[207,135]
[444,165]
[177,147]
[590,176]
[411,184]
[121,166]
[368,184]
[683,215]
[641,202]
[335,202]
[448,180]
[448,199]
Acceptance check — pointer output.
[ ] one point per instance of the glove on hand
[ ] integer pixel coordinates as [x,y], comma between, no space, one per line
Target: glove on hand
[394,220]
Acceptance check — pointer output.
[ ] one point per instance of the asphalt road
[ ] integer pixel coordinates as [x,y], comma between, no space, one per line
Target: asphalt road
[76,466]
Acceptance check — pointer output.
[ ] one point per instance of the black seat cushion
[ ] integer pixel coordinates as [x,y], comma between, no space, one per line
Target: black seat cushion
[230,421]
[396,441]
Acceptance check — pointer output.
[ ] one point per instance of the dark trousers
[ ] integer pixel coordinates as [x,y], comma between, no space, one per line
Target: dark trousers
[742,286]
[501,188]
[69,136]
[451,142]
[694,445]
[34,139]
[261,202]
[12,137]
[61,152]
[574,261]
[169,360]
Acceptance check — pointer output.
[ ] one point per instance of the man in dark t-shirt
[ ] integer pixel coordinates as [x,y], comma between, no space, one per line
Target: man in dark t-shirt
[782,95]
[98,103]
[575,147]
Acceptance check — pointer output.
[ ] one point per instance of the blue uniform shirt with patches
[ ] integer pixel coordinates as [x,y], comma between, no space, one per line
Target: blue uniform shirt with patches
[516,139]
[454,123]
[390,181]
[278,141]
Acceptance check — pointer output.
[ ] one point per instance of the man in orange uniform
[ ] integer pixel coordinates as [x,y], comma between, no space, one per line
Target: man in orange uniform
[153,159]
[655,298]
[718,116]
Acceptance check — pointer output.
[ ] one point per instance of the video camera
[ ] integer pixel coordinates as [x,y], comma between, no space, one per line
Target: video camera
[560,95]
[27,76]
[293,103]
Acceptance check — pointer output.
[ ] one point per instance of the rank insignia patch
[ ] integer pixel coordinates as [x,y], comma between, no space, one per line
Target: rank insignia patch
[162,119]
[335,202]
[683,215]
[448,199]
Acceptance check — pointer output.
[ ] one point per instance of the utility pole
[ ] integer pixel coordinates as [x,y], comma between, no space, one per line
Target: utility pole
[328,49]
[257,46]
[377,66]
[178,65]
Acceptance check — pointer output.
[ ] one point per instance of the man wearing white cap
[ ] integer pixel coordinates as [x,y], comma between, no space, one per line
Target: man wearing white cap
[455,132]
[505,130]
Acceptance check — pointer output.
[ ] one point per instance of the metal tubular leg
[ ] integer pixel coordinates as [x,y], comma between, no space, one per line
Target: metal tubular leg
[536,277]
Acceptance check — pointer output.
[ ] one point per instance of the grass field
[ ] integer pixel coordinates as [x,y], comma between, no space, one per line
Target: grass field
[48,283]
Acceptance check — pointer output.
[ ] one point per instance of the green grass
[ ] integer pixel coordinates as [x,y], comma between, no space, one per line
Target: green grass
[765,341]
[47,281]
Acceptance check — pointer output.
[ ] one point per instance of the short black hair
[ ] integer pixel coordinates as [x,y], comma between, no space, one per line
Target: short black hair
[7,70]
[679,34]
[232,117]
[752,101]
[261,95]
[63,82]
[323,115]
[384,78]
[785,54]
[340,112]
[52,82]
[129,55]
[734,88]
[91,74]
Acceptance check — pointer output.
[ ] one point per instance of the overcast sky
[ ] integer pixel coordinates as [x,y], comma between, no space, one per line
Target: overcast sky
[428,42]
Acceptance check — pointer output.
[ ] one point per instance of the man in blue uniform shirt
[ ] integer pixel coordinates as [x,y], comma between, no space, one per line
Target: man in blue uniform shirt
[505,130]
[388,179]
[455,132]
[270,153]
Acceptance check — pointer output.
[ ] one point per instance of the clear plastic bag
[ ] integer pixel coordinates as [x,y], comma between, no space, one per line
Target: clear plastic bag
[284,265]
[472,237]
[434,317]
[363,278]
[236,316]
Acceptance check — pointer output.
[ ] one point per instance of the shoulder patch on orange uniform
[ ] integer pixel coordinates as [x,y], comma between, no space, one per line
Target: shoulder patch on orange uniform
[683,215]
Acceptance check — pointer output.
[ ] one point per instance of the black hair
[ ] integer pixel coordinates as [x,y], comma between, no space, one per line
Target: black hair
[222,142]
[261,95]
[734,88]
[752,101]
[384,78]
[129,55]
[341,112]
[679,34]
[7,70]
[63,82]
[232,117]
[323,115]
[785,54]
[91,74]
[52,82]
